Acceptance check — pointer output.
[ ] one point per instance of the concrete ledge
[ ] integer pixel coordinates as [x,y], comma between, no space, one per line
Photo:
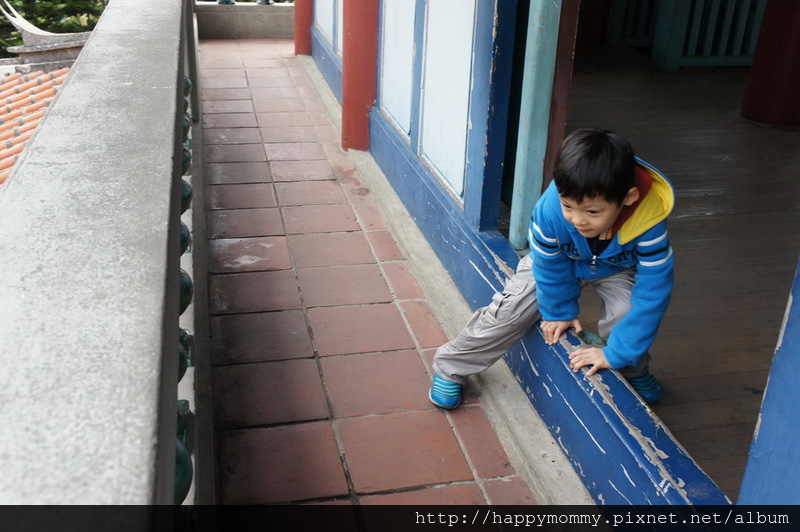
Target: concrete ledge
[89,228]
[244,20]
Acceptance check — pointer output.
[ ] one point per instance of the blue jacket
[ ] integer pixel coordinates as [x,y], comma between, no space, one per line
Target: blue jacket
[562,258]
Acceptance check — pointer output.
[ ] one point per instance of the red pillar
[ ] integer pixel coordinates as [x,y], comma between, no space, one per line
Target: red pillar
[359,71]
[303,15]
[772,90]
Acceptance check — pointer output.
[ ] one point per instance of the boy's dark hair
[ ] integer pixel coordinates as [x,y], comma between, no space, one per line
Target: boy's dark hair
[595,163]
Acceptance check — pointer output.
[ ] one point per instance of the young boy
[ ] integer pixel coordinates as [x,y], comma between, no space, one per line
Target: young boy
[601,222]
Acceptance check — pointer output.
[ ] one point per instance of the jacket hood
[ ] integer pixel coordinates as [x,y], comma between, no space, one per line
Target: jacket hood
[653,208]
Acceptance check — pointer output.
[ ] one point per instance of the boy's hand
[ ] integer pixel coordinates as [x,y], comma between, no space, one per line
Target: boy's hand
[588,356]
[554,329]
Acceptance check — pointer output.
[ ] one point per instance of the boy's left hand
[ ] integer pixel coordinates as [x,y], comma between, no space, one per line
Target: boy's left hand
[588,356]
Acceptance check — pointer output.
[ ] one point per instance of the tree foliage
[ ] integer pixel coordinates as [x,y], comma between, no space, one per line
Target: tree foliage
[66,16]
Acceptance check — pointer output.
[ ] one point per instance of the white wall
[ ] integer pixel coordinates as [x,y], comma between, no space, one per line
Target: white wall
[446,86]
[397,61]
[324,14]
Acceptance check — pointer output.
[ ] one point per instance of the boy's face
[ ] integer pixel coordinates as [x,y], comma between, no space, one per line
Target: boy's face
[594,216]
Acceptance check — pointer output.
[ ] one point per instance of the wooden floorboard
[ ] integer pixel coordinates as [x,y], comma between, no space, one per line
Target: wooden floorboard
[734,229]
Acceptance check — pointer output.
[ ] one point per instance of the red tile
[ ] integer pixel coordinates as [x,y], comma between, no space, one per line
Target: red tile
[232,173]
[269,393]
[343,285]
[509,492]
[225,83]
[259,62]
[242,135]
[334,218]
[225,94]
[277,93]
[295,151]
[376,383]
[234,153]
[288,134]
[280,464]
[244,223]
[267,73]
[480,441]
[232,255]
[221,73]
[272,82]
[402,282]
[335,249]
[369,215]
[245,196]
[253,292]
[309,192]
[289,118]
[397,451]
[424,324]
[230,120]
[260,337]
[286,105]
[227,106]
[302,170]
[358,329]
[449,495]
[384,245]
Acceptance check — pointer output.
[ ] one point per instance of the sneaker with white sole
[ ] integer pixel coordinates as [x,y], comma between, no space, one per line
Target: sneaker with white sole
[445,394]
[647,387]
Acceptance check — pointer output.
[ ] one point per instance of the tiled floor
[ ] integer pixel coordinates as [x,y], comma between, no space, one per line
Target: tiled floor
[321,336]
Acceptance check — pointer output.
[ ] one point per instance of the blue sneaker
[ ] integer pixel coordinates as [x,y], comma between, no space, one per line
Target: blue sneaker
[647,387]
[444,394]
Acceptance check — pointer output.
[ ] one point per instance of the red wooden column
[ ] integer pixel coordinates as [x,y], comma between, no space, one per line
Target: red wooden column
[359,71]
[303,16]
[772,90]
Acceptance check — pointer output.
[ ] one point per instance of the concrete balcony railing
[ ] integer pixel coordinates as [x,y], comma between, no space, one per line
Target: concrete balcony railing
[90,234]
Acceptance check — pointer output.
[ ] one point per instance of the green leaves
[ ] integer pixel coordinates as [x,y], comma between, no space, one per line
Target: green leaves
[57,17]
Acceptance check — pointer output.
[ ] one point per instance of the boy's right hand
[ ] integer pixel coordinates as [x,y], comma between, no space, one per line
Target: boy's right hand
[554,329]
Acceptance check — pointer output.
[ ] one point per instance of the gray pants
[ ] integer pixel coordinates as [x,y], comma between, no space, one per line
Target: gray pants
[494,329]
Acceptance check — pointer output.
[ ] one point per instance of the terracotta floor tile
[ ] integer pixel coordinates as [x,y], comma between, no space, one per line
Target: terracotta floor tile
[245,196]
[244,223]
[480,441]
[234,153]
[343,285]
[243,135]
[397,451]
[327,133]
[230,120]
[280,464]
[376,383]
[335,249]
[369,216]
[225,94]
[269,393]
[509,492]
[225,83]
[276,93]
[455,494]
[283,119]
[227,106]
[222,73]
[236,293]
[288,134]
[424,324]
[286,105]
[260,337]
[384,245]
[235,255]
[232,173]
[295,151]
[402,282]
[257,62]
[358,329]
[302,170]
[335,218]
[309,193]
[271,82]
[267,73]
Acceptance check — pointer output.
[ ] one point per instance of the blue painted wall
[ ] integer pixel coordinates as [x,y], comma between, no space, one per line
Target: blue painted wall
[772,475]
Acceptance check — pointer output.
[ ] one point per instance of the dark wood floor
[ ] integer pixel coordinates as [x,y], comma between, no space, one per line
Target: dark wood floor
[736,234]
